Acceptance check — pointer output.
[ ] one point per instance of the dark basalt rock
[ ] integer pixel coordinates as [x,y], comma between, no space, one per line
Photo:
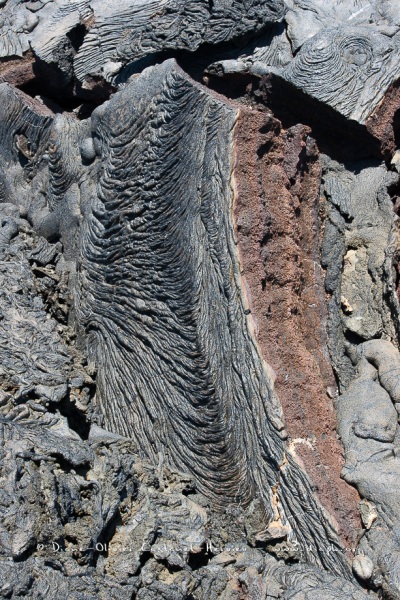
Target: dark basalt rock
[199,318]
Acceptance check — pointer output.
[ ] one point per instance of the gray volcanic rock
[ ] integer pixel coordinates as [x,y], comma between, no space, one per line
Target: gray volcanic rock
[89,39]
[341,60]
[307,19]
[168,25]
[368,427]
[156,218]
[357,251]
[344,67]
[212,388]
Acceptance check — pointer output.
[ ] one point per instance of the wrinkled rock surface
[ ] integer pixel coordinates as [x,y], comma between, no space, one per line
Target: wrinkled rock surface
[199,318]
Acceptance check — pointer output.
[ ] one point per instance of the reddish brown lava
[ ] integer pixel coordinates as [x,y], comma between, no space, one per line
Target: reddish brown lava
[384,121]
[277,177]
[17,71]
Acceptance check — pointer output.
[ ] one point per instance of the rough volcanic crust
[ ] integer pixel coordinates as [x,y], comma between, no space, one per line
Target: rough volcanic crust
[161,279]
[18,71]
[158,262]
[384,121]
[277,179]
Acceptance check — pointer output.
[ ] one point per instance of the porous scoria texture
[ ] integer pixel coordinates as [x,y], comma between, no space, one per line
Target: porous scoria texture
[277,175]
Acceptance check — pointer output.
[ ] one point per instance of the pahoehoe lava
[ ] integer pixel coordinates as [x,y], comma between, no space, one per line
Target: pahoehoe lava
[199,318]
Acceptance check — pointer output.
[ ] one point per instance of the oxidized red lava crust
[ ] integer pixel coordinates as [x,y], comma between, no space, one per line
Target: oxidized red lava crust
[17,71]
[384,121]
[277,178]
